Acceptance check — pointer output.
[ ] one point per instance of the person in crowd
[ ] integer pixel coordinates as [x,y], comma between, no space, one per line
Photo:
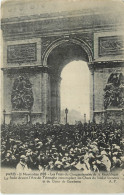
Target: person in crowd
[22,165]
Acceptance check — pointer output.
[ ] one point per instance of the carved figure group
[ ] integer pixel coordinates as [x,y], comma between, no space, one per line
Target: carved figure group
[114,91]
[22,95]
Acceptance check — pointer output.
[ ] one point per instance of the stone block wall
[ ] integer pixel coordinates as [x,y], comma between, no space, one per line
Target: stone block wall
[98,90]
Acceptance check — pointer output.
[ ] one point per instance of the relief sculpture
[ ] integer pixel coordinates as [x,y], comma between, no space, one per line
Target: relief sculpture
[114,91]
[110,46]
[22,95]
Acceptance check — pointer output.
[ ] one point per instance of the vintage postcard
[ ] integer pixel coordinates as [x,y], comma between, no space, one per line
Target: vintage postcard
[62,96]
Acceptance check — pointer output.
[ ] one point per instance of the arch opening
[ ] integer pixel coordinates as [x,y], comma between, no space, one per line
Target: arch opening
[74,92]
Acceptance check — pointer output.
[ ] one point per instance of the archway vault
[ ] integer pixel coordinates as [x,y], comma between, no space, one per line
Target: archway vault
[85,47]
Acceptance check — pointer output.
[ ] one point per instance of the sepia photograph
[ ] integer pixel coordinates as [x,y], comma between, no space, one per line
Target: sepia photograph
[62,96]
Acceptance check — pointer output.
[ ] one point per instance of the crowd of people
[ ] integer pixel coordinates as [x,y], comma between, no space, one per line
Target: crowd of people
[86,147]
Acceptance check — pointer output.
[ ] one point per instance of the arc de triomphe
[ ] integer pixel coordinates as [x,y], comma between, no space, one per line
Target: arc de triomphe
[40,38]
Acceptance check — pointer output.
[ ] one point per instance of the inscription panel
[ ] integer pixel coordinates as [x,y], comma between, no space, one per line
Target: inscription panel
[22,53]
[111,45]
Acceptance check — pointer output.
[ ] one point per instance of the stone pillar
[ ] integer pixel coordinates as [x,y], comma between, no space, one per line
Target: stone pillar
[55,98]
[46,97]
[92,95]
[58,100]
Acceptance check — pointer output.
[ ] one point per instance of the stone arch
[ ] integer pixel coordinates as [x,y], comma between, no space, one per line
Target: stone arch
[55,78]
[58,42]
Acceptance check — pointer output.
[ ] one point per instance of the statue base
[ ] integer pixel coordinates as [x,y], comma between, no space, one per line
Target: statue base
[114,115]
[20,117]
[110,115]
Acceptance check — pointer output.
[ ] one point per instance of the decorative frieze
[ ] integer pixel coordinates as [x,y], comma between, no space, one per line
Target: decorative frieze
[86,37]
[47,41]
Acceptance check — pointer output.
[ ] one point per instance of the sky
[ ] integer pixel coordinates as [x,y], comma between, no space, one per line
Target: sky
[75,87]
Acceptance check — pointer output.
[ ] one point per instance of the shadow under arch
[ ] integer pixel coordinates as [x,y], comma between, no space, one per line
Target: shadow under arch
[59,42]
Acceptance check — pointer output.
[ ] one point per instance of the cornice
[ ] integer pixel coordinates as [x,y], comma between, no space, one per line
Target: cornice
[105,64]
[25,69]
[45,16]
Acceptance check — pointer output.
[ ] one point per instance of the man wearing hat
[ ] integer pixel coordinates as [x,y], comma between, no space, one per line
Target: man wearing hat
[22,165]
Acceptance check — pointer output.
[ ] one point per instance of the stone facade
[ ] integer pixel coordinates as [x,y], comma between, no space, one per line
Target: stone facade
[101,77]
[32,44]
